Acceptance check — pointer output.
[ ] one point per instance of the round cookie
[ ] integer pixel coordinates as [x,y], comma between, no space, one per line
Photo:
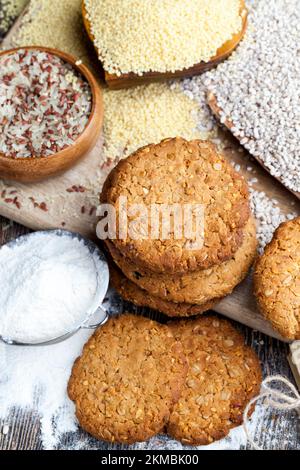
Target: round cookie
[127,379]
[277,280]
[196,287]
[224,374]
[134,294]
[185,173]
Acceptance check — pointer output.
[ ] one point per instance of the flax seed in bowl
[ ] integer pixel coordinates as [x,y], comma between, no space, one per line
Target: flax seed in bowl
[51,113]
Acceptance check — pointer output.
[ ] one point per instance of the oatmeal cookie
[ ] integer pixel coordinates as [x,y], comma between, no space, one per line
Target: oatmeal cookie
[196,287]
[134,294]
[224,374]
[127,379]
[277,280]
[184,173]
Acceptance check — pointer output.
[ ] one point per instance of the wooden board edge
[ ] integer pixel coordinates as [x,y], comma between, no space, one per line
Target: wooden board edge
[255,322]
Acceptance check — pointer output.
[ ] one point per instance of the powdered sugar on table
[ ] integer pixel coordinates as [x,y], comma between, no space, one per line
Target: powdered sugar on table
[48,284]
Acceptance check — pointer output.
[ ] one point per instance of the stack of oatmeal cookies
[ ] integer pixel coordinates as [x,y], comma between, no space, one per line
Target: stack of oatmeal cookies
[180,237]
[155,264]
[191,379]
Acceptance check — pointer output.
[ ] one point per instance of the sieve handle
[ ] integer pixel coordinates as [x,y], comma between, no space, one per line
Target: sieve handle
[104,317]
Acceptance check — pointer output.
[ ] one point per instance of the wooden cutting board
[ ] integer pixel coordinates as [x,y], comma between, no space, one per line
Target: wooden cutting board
[69,201]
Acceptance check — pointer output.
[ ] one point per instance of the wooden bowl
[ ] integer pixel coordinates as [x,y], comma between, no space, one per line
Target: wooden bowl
[128,80]
[31,169]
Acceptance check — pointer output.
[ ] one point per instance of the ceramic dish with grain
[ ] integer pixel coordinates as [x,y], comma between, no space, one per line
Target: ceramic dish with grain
[78,133]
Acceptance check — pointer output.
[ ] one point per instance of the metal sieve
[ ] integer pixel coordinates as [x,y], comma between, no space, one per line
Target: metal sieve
[96,316]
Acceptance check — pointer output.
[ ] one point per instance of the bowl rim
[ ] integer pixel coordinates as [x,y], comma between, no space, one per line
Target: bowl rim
[96,99]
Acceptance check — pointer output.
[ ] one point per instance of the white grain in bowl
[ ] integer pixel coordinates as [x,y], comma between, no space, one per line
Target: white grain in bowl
[45,104]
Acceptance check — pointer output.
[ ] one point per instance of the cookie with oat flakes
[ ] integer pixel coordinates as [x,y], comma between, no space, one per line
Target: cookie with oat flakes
[196,287]
[183,173]
[224,374]
[277,280]
[140,297]
[129,376]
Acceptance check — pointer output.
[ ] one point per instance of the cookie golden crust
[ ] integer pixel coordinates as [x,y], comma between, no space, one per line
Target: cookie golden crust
[277,280]
[180,172]
[224,374]
[127,379]
[134,294]
[197,287]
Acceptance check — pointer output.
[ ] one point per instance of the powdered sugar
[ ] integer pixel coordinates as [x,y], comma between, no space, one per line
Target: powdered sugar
[48,284]
[36,379]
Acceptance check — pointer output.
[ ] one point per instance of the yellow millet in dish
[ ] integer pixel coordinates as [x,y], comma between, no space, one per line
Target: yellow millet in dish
[160,35]
[144,114]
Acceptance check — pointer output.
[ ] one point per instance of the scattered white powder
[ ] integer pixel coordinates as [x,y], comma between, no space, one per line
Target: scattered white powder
[35,379]
[48,284]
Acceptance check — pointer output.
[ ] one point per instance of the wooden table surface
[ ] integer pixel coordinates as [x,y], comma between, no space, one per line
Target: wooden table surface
[275,431]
